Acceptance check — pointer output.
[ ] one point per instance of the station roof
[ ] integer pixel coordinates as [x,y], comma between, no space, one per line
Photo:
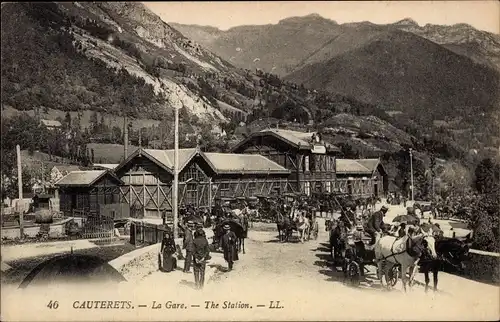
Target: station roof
[357,166]
[221,163]
[297,139]
[83,178]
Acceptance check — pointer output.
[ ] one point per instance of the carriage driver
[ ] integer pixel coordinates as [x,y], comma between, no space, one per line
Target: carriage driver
[375,224]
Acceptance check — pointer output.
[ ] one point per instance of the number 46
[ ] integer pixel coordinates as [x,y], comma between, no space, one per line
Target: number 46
[53,305]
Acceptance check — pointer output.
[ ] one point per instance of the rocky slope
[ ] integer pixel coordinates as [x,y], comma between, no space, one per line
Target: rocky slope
[108,57]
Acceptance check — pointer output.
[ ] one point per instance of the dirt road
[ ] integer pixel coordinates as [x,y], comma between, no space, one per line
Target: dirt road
[301,277]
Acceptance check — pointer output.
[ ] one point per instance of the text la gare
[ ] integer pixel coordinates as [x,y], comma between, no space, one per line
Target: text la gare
[168,305]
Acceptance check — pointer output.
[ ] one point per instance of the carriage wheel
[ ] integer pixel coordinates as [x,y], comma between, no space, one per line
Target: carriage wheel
[392,276]
[353,273]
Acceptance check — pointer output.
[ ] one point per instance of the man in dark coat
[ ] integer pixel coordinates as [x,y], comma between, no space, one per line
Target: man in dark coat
[228,244]
[375,223]
[201,253]
[188,244]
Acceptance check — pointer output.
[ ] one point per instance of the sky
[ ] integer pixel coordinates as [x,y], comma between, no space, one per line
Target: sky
[483,15]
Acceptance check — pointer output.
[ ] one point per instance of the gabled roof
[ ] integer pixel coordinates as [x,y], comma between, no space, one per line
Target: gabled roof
[163,158]
[84,178]
[370,164]
[357,166]
[219,162]
[224,163]
[299,140]
[104,166]
[167,156]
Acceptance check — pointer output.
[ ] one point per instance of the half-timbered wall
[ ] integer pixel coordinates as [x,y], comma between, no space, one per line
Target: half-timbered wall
[309,172]
[88,199]
[147,189]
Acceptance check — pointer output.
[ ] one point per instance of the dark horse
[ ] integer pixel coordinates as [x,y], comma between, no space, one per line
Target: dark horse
[338,235]
[244,234]
[284,225]
[452,253]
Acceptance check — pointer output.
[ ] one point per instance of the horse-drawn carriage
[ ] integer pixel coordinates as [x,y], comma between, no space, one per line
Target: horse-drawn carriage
[360,253]
[237,225]
[353,251]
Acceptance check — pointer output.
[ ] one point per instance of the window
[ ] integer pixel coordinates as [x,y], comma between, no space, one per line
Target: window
[313,164]
[251,188]
[193,173]
[349,187]
[328,186]
[306,164]
[224,186]
[307,188]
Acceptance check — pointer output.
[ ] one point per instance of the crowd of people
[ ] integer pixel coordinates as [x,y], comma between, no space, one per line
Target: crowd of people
[196,248]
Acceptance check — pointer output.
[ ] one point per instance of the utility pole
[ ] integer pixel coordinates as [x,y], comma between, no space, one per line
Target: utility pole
[125,137]
[20,191]
[411,173]
[175,190]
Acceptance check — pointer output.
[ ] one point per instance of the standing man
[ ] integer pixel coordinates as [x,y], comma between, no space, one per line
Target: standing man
[201,254]
[188,244]
[375,225]
[228,244]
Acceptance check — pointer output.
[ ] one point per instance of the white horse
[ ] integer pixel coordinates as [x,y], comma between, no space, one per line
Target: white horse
[404,251]
[303,226]
[251,214]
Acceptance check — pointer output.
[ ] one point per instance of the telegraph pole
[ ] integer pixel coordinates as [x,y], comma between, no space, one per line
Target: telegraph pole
[175,190]
[20,191]
[411,172]
[125,137]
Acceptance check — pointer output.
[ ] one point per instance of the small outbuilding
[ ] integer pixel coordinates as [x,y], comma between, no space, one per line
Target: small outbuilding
[85,191]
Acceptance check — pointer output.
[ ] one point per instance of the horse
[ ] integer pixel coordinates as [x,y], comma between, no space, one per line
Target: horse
[372,201]
[283,225]
[338,236]
[303,226]
[252,215]
[405,251]
[241,239]
[451,251]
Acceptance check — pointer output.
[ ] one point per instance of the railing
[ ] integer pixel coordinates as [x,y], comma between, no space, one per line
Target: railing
[483,265]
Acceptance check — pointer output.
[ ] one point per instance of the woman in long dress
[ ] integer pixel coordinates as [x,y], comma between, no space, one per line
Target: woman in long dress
[168,262]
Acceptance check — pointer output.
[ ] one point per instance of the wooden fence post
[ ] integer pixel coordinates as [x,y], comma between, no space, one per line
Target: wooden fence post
[142,232]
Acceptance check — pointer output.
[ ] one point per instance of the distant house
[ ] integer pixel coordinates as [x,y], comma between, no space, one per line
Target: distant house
[51,124]
[59,171]
[104,166]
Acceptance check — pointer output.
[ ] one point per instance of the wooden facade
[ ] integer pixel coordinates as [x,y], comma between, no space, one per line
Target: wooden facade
[85,191]
[148,174]
[310,160]
[362,177]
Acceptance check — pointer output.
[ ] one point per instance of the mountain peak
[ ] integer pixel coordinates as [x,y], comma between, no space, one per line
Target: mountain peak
[301,19]
[407,22]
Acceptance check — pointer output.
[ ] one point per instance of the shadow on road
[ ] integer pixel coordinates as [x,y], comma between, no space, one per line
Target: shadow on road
[291,240]
[188,283]
[218,267]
